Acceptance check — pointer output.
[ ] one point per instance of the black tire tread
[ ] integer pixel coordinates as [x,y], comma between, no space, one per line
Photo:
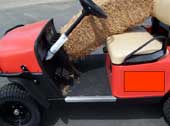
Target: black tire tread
[13,92]
[166,110]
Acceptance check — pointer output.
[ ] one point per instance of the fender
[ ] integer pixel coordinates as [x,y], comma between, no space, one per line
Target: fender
[30,87]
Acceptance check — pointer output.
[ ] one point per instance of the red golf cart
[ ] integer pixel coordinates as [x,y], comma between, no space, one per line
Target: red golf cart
[134,65]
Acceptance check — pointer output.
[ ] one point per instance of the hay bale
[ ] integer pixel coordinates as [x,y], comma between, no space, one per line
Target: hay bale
[92,31]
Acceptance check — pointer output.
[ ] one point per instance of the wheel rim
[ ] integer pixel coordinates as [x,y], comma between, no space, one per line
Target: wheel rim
[15,113]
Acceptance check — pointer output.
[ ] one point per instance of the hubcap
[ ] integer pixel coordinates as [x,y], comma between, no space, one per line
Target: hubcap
[15,113]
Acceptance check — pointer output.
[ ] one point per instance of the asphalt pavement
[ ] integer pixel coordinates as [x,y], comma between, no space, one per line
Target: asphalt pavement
[6,4]
[60,114]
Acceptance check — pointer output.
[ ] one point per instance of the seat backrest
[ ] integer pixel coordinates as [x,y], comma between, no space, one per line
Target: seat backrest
[162,11]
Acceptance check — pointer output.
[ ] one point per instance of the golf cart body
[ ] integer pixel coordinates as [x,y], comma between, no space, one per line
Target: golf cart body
[25,61]
[137,64]
[120,76]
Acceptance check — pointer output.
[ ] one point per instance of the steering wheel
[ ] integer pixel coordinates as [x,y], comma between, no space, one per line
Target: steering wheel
[91,8]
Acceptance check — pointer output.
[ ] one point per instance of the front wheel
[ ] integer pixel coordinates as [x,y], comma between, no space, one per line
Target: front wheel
[17,107]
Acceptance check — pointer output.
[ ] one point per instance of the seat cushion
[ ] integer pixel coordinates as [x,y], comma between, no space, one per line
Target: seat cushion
[121,45]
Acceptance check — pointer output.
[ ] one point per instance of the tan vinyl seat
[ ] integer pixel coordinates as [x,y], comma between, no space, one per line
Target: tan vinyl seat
[121,45]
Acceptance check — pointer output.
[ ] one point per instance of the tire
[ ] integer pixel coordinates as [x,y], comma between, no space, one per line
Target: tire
[17,107]
[166,110]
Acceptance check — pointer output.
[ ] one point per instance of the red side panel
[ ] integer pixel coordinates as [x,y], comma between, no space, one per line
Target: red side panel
[142,80]
[17,48]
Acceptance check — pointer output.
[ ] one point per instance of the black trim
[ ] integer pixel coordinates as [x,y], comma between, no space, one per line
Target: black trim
[26,75]
[155,26]
[143,59]
[50,80]
[10,75]
[155,99]
[17,26]
[105,50]
[168,34]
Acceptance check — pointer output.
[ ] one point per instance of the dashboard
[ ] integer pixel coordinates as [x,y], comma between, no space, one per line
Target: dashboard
[46,39]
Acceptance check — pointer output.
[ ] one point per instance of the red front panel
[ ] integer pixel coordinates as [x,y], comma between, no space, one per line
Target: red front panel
[142,80]
[17,48]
